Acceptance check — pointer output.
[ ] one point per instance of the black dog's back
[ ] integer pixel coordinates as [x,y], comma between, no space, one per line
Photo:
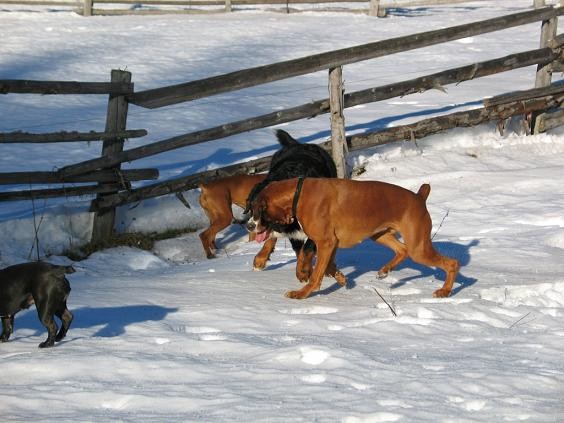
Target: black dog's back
[295,160]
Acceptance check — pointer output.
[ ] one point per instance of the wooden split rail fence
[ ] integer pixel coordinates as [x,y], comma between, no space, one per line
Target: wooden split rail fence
[152,7]
[114,189]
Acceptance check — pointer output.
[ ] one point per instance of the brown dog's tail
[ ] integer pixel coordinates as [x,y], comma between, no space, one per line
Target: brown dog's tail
[424,191]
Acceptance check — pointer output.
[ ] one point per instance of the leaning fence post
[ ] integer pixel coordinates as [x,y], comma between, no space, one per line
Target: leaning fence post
[228,6]
[116,119]
[338,140]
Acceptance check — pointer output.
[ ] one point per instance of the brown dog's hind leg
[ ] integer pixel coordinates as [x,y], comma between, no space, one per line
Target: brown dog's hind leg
[208,236]
[421,250]
[388,238]
[259,263]
[334,272]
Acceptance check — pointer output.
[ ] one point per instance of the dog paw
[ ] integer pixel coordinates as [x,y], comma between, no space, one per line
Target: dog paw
[303,276]
[382,274]
[340,278]
[259,264]
[47,344]
[296,295]
[441,293]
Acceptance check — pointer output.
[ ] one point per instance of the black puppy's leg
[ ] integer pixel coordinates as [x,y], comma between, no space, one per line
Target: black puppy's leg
[48,321]
[66,320]
[7,327]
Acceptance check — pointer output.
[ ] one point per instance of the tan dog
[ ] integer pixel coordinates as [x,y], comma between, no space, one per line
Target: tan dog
[216,200]
[337,213]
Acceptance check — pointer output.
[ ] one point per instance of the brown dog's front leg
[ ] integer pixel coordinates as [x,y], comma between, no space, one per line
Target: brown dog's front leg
[259,263]
[324,254]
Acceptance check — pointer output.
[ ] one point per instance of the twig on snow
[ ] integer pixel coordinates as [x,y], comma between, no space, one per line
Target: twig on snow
[441,225]
[388,304]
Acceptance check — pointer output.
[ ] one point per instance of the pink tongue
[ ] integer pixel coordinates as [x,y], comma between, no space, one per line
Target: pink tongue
[262,236]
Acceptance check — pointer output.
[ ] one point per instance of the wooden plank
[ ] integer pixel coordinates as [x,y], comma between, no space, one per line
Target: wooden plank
[549,120]
[118,12]
[42,3]
[36,194]
[63,87]
[116,119]
[416,3]
[319,107]
[179,184]
[25,137]
[174,94]
[523,95]
[15,178]
[221,2]
[439,124]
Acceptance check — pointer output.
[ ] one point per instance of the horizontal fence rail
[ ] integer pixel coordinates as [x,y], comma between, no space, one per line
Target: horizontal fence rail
[123,176]
[64,87]
[160,97]
[25,137]
[455,75]
[496,108]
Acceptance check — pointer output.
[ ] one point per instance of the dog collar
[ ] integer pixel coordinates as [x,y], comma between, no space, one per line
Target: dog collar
[297,196]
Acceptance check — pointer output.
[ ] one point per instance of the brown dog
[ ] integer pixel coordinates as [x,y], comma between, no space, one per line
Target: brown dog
[216,200]
[338,213]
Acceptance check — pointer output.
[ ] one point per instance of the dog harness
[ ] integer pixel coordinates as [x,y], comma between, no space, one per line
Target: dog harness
[297,198]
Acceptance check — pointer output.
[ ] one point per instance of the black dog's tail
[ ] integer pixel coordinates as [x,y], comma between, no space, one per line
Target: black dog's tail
[285,139]
[61,270]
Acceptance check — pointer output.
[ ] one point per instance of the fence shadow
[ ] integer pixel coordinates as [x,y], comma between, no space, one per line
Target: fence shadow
[110,321]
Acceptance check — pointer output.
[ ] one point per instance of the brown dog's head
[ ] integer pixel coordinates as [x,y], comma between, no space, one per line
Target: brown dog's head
[271,211]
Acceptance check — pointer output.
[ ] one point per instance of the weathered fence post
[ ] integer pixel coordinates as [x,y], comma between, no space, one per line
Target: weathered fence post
[87,8]
[538,3]
[336,105]
[548,33]
[544,72]
[116,119]
[228,6]
[376,10]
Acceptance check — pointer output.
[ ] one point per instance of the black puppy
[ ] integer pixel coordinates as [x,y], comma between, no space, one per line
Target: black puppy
[41,283]
[293,160]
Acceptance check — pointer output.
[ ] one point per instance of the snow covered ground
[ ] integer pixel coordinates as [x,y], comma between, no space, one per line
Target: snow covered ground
[169,336]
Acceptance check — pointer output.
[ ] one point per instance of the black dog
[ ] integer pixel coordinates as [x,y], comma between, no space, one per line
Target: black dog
[43,284]
[293,160]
